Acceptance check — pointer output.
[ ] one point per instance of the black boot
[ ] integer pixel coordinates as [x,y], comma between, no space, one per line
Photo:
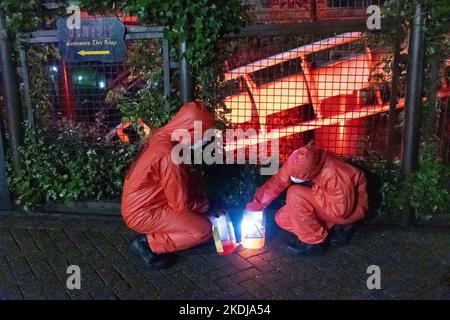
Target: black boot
[152,260]
[301,249]
[340,235]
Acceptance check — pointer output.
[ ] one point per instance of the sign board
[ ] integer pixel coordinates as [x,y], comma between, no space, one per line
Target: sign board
[97,39]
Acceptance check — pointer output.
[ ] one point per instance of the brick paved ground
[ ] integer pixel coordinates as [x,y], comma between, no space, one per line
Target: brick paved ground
[36,249]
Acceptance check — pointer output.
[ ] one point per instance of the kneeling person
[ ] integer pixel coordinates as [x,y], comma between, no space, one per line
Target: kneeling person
[325,196]
[162,200]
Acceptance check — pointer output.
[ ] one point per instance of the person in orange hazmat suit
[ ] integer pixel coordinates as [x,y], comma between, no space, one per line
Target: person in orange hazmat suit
[325,196]
[163,201]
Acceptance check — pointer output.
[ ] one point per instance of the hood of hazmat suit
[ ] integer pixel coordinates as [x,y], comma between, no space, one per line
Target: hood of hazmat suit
[165,200]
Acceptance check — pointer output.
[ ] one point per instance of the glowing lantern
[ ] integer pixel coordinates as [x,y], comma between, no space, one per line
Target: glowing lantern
[223,234]
[253,230]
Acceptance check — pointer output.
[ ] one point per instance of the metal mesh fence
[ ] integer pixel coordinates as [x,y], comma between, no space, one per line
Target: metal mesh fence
[79,91]
[443,128]
[330,89]
[82,98]
[444,131]
[291,11]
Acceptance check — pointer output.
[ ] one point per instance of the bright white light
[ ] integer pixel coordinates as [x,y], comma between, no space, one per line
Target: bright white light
[54,68]
[252,230]
[102,84]
[250,221]
[80,78]
[246,226]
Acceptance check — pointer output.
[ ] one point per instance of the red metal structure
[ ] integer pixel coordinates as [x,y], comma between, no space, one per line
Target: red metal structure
[334,91]
[342,93]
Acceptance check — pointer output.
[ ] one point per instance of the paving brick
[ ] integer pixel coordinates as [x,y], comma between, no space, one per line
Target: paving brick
[35,251]
[306,293]
[139,284]
[84,244]
[65,245]
[261,264]
[256,289]
[20,267]
[41,269]
[231,287]
[32,289]
[237,261]
[245,296]
[182,282]
[223,272]
[272,276]
[90,277]
[10,291]
[24,240]
[269,256]
[43,241]
[58,264]
[104,293]
[8,244]
[246,253]
[206,283]
[55,292]
[206,263]
[245,275]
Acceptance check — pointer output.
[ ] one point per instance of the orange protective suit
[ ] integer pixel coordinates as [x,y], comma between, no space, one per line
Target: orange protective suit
[338,194]
[162,199]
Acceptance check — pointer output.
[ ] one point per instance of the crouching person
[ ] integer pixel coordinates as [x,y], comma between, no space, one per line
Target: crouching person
[162,200]
[325,197]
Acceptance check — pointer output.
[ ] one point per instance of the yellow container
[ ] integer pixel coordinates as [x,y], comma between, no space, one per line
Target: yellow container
[253,230]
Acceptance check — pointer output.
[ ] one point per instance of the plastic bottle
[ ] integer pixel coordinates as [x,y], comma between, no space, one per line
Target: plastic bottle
[253,230]
[223,234]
